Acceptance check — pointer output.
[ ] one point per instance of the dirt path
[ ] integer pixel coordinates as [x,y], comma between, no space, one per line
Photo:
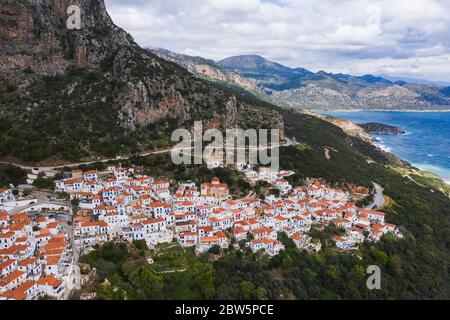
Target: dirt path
[327,154]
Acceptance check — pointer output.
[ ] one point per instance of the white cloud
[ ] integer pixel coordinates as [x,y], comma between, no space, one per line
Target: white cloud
[350,36]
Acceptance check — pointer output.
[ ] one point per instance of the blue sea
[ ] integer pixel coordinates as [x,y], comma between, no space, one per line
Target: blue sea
[426,144]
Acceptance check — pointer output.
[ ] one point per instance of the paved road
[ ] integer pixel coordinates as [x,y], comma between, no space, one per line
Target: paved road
[37,203]
[144,154]
[25,167]
[378,198]
[171,271]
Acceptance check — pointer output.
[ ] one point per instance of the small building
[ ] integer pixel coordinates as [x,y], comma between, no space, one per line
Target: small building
[216,189]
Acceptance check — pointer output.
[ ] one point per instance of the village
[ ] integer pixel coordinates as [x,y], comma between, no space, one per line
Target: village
[39,251]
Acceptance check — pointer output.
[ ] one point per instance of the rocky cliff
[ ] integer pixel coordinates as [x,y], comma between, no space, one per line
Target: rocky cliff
[35,37]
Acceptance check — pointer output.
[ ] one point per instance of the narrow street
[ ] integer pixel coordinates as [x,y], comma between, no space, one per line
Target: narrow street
[74,278]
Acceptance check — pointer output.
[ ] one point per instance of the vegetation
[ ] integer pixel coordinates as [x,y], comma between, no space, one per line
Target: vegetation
[43,182]
[11,175]
[123,273]
[45,123]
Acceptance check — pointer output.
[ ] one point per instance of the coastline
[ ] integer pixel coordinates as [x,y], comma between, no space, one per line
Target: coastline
[376,110]
[423,164]
[438,171]
[444,173]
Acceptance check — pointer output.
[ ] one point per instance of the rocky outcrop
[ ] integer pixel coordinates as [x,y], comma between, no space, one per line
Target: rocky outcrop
[222,75]
[155,93]
[137,108]
[381,128]
[347,126]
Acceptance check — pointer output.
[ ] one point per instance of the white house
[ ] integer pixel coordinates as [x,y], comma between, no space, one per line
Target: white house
[6,195]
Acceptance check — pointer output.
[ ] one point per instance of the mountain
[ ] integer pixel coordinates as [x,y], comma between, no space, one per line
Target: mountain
[208,69]
[417,81]
[70,95]
[277,77]
[270,75]
[301,88]
[76,94]
[298,87]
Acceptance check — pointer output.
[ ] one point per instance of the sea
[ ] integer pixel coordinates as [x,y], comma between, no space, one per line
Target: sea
[426,144]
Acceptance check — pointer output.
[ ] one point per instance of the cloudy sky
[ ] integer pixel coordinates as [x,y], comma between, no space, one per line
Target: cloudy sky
[393,37]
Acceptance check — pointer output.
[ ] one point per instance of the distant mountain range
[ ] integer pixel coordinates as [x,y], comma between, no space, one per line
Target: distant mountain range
[417,80]
[299,87]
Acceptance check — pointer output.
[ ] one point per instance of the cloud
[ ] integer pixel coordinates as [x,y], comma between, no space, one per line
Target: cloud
[349,36]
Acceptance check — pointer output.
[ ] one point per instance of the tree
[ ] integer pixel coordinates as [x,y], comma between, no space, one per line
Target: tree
[287,262]
[395,265]
[332,272]
[146,283]
[10,174]
[247,289]
[380,257]
[215,249]
[275,192]
[44,183]
[140,245]
[203,277]
[358,272]
[260,293]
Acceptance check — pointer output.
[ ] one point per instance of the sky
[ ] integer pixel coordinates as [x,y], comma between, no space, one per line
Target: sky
[408,38]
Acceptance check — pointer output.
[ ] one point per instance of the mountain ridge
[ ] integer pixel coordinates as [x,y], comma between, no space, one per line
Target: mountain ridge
[328,90]
[301,88]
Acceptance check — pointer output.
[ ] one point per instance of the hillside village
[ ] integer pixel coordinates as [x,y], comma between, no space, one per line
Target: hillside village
[39,254]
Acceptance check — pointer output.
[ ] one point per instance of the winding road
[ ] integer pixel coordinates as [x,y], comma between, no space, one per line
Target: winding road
[378,198]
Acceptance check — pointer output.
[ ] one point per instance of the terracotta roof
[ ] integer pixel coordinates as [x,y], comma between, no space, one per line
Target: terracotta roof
[7,235]
[6,264]
[49,281]
[11,277]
